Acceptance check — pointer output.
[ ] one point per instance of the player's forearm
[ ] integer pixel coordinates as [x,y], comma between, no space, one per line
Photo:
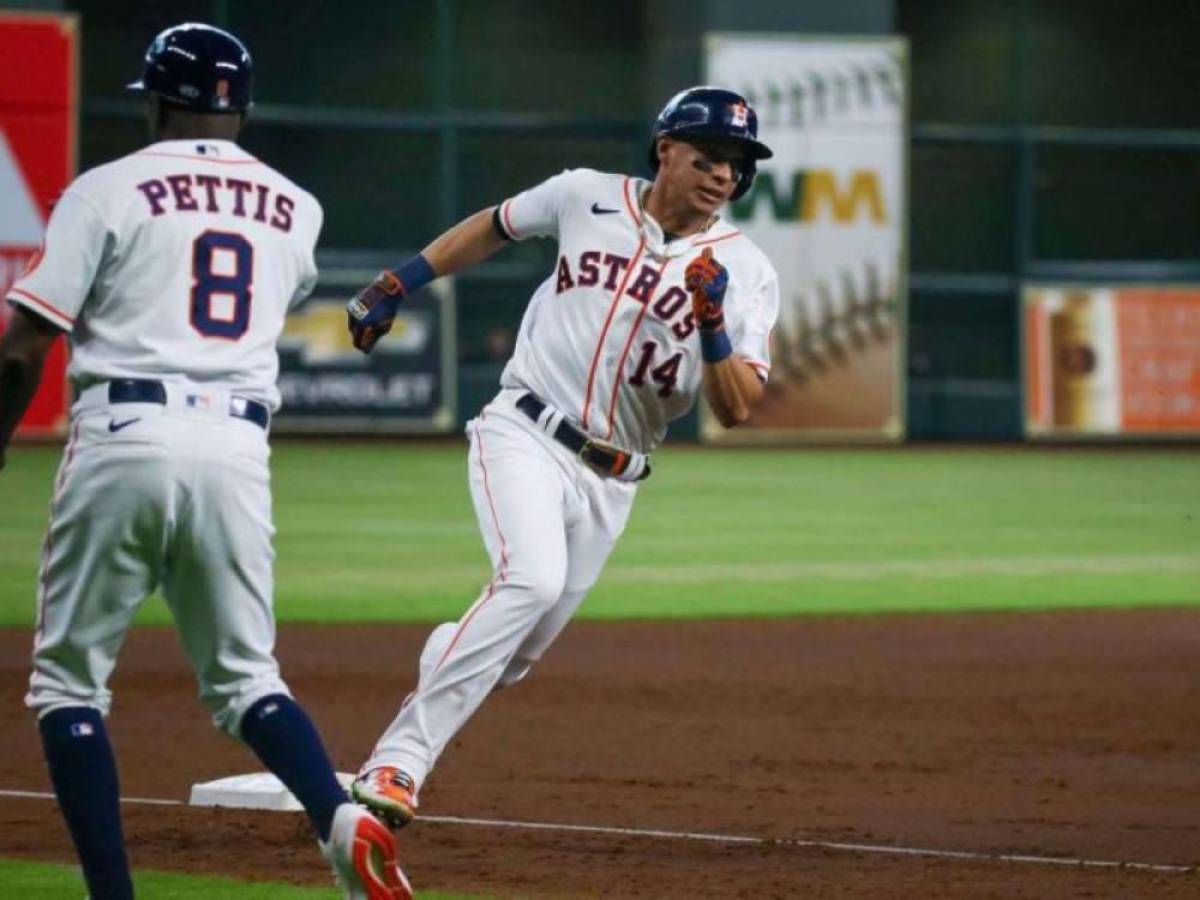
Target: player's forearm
[22,356]
[468,243]
[19,379]
[732,389]
[373,309]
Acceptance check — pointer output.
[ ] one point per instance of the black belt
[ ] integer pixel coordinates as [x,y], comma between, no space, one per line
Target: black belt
[143,390]
[604,457]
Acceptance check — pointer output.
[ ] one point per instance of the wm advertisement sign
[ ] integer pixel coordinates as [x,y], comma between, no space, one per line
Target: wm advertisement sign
[828,210]
[813,195]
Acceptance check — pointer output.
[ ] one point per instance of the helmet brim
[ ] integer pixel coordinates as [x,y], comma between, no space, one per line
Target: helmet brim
[757,149]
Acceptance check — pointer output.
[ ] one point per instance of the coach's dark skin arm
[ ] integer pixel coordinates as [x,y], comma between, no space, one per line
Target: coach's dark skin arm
[732,388]
[468,243]
[22,354]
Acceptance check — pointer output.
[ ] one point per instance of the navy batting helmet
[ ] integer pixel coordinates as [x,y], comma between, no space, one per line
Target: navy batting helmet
[199,67]
[712,112]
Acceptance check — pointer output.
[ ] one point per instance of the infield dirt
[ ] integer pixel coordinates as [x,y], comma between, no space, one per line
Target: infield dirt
[1055,734]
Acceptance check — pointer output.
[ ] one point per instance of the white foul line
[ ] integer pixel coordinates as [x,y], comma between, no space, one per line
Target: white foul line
[136,801]
[880,849]
[817,845]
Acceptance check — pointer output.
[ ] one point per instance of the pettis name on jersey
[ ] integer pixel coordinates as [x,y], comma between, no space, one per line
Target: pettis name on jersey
[191,192]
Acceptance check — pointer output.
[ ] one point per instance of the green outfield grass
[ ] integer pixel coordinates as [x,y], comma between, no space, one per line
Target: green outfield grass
[386,532]
[47,881]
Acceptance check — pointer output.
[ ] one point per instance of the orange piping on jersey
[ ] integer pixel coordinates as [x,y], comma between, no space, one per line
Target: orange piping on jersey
[637,222]
[48,544]
[512,232]
[587,399]
[40,302]
[31,265]
[501,575]
[723,237]
[212,159]
[612,406]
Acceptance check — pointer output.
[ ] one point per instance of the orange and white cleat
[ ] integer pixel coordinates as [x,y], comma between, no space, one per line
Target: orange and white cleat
[387,792]
[363,855]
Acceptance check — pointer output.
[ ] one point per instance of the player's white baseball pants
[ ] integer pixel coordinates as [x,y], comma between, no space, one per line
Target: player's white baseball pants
[175,496]
[549,523]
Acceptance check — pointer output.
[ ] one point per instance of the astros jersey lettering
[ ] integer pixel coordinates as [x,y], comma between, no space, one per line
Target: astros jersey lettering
[180,259]
[609,338]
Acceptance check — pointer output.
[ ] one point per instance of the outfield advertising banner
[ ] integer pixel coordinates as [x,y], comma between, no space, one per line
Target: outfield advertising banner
[406,385]
[1112,361]
[830,211]
[38,111]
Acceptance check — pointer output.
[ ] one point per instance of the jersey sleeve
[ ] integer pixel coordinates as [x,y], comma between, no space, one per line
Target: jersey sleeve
[535,212]
[309,274]
[57,284]
[752,336]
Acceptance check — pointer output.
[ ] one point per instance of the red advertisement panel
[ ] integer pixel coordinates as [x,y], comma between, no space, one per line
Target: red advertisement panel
[1160,359]
[38,114]
[1112,360]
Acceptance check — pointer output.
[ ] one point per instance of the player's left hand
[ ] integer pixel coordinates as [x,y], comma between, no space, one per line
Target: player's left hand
[706,281]
[373,310]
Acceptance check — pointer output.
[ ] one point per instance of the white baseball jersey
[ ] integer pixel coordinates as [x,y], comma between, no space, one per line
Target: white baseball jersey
[176,264]
[179,260]
[609,338]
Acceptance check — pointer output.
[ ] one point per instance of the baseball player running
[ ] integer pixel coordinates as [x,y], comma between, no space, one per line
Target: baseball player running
[171,270]
[653,297]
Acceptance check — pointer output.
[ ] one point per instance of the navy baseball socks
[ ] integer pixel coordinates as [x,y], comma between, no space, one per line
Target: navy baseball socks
[285,739]
[83,771]
[84,774]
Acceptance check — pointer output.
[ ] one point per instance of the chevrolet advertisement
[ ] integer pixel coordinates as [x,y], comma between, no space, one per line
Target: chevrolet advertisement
[406,385]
